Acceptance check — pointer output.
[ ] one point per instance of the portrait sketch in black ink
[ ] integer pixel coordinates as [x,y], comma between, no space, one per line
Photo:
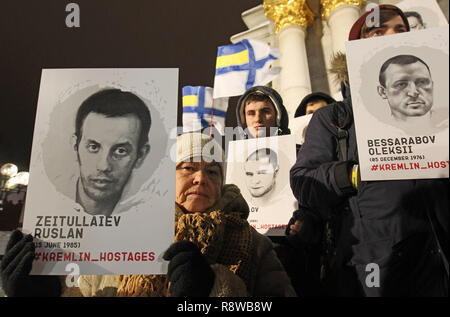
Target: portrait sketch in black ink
[110,141]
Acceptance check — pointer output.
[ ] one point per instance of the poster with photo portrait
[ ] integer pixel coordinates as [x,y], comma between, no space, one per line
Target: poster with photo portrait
[423,14]
[400,102]
[102,180]
[260,168]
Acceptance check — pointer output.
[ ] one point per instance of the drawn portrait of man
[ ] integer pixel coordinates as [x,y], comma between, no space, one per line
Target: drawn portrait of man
[405,82]
[415,20]
[261,168]
[110,141]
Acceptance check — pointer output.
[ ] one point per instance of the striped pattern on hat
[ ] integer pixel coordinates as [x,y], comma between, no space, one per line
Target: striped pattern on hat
[198,146]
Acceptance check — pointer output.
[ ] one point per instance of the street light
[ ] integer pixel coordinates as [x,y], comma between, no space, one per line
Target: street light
[11,181]
[8,170]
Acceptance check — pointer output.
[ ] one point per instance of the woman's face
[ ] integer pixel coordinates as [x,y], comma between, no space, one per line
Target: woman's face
[198,185]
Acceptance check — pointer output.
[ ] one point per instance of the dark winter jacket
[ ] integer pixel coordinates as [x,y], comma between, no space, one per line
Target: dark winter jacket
[282,115]
[389,219]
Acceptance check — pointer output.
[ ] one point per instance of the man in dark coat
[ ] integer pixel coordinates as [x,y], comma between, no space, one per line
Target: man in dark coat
[260,112]
[399,228]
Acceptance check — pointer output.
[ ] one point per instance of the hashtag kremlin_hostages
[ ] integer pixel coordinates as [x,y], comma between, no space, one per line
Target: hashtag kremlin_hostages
[70,227]
[397,145]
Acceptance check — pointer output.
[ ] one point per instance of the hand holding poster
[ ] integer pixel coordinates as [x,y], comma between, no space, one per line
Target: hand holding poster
[400,101]
[101,179]
[260,168]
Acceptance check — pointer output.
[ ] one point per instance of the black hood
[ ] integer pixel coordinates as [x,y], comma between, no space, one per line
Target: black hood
[282,116]
[301,109]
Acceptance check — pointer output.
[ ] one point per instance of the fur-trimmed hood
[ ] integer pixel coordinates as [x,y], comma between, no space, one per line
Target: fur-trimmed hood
[340,73]
[339,68]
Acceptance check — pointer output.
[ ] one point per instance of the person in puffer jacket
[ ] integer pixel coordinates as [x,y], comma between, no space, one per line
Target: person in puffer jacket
[397,228]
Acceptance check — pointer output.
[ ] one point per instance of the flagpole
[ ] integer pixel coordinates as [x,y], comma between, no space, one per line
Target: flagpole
[211,121]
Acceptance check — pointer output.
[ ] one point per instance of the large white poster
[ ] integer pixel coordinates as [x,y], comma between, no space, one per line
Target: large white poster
[101,190]
[400,99]
[260,168]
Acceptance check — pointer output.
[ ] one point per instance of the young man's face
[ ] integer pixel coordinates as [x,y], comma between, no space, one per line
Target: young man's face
[393,26]
[259,117]
[259,177]
[107,153]
[409,90]
[313,106]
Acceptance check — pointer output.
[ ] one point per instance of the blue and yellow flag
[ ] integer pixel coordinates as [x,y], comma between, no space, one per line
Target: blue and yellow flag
[200,110]
[243,65]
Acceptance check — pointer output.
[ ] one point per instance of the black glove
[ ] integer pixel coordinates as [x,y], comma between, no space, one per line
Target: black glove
[296,215]
[16,266]
[311,231]
[189,272]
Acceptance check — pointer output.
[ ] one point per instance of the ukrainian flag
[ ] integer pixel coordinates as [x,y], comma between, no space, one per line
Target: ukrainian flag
[231,55]
[243,65]
[200,110]
[190,96]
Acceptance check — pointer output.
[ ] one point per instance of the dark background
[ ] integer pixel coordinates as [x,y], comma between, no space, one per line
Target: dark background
[180,34]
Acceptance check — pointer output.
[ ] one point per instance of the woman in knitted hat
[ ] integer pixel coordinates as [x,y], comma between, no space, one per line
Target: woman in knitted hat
[220,254]
[216,252]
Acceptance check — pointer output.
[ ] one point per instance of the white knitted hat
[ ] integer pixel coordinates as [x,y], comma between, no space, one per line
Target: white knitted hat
[196,146]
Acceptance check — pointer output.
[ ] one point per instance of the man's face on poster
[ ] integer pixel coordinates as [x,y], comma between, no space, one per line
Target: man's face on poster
[408,90]
[415,24]
[260,176]
[107,153]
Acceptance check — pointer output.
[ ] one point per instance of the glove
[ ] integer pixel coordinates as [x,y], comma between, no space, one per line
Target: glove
[189,272]
[16,266]
[296,216]
[310,233]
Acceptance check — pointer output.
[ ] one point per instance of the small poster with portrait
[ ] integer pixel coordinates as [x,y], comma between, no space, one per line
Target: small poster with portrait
[400,100]
[299,126]
[100,198]
[423,14]
[260,168]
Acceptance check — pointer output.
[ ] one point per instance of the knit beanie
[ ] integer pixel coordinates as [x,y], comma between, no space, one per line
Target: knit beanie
[357,26]
[194,147]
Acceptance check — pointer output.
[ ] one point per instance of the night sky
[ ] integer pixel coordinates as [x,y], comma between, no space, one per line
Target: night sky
[180,34]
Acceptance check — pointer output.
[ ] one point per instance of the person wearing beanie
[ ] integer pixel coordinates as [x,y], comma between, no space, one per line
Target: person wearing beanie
[260,113]
[393,234]
[216,252]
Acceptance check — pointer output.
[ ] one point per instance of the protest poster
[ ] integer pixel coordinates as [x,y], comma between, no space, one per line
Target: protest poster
[299,126]
[260,168]
[101,189]
[423,14]
[400,101]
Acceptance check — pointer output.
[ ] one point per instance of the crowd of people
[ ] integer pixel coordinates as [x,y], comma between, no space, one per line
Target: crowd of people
[342,224]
